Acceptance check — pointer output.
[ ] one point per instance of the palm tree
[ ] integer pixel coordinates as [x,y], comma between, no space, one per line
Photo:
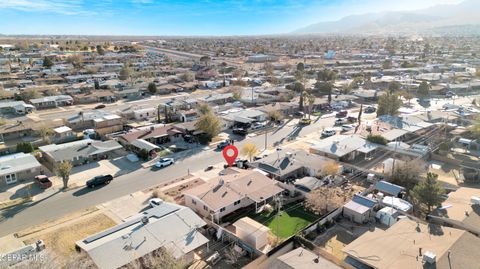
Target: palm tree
[311,101]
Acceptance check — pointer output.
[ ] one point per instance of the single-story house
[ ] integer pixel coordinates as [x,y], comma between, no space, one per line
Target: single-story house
[101,121]
[156,134]
[284,165]
[389,188]
[138,145]
[359,209]
[94,97]
[168,227]
[52,101]
[63,134]
[15,107]
[308,184]
[414,245]
[18,167]
[460,210]
[79,152]
[128,94]
[242,117]
[344,147]
[226,194]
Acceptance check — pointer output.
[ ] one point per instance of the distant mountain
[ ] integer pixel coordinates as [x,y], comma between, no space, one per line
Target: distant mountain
[434,19]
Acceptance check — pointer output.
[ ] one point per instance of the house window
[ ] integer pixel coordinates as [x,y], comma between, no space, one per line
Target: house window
[237,202]
[194,202]
[205,208]
[222,209]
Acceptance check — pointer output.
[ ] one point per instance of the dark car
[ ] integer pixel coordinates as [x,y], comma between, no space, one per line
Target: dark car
[342,114]
[325,107]
[298,114]
[99,180]
[223,144]
[351,119]
[240,131]
[43,182]
[100,106]
[370,109]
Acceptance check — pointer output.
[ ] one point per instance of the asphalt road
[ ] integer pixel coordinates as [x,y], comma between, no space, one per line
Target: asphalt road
[61,203]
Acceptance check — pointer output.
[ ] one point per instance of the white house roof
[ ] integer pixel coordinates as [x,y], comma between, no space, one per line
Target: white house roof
[169,225]
[17,162]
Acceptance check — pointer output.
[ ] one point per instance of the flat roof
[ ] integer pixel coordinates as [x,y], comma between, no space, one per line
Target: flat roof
[399,246]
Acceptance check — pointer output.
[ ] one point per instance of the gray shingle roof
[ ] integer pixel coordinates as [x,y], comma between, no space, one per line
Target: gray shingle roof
[82,148]
[170,226]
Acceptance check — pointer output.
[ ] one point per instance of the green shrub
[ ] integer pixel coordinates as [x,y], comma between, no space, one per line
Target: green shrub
[377,139]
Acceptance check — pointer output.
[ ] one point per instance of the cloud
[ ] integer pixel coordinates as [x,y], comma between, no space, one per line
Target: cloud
[66,7]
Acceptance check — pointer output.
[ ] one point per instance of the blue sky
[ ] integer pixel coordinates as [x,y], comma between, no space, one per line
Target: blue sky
[182,17]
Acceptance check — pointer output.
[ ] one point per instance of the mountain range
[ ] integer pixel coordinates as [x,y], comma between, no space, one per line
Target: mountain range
[437,19]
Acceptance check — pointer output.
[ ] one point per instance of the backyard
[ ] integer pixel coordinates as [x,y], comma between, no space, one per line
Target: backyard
[292,219]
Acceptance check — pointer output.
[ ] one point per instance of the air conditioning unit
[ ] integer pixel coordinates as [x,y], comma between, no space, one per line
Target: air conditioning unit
[475,200]
[429,257]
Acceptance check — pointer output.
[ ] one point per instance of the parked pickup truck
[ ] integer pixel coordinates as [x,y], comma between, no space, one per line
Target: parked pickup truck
[99,180]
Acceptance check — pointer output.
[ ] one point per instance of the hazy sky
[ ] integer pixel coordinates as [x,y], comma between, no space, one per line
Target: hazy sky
[182,17]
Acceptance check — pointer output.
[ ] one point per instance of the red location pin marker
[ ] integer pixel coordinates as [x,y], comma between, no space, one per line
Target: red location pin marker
[230,154]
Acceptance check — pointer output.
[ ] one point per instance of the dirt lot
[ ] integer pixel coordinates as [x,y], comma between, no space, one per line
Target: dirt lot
[61,241]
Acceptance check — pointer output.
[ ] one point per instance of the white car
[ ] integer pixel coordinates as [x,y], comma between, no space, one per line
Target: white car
[163,162]
[155,202]
[347,127]
[328,133]
[341,121]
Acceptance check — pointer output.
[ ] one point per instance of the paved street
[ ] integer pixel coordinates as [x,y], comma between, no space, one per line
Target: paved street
[61,203]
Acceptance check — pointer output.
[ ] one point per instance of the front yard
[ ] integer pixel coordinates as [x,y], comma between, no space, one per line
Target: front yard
[291,219]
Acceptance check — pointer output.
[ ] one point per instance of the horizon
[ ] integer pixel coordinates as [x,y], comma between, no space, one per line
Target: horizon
[183,18]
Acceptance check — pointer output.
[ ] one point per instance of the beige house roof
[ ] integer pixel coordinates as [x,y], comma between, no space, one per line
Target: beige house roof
[251,226]
[459,207]
[399,246]
[225,190]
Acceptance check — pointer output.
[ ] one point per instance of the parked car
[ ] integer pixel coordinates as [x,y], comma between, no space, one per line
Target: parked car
[305,121]
[99,180]
[328,133]
[325,107]
[298,114]
[347,127]
[155,202]
[342,114]
[43,181]
[449,94]
[163,162]
[370,109]
[100,106]
[341,121]
[258,125]
[240,131]
[351,119]
[223,144]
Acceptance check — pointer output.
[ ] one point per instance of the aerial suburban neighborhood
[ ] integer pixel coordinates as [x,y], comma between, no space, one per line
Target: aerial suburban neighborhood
[289,151]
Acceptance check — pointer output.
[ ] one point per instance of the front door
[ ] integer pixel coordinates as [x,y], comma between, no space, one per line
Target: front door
[10,179]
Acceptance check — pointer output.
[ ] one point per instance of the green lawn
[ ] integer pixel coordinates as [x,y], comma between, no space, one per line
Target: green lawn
[292,219]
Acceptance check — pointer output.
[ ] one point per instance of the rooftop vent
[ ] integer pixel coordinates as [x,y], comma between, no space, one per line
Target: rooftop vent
[429,257]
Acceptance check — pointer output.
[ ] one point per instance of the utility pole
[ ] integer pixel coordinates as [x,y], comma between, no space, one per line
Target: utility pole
[279,206]
[266,138]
